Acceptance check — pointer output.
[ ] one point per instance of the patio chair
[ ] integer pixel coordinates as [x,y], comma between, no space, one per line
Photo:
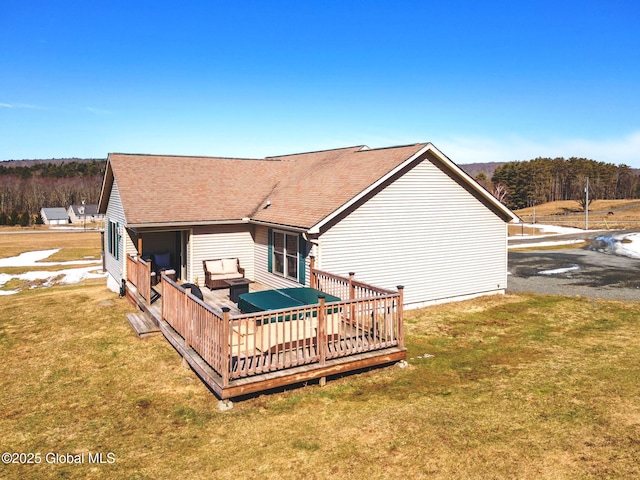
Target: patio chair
[195,290]
[162,264]
[221,269]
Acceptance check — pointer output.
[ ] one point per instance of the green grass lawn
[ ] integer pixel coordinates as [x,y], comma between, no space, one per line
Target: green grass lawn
[519,386]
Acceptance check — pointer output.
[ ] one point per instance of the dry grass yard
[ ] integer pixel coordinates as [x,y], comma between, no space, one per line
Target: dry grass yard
[603,214]
[526,386]
[74,245]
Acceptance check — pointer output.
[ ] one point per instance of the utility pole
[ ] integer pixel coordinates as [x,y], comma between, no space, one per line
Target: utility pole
[586,206]
[84,216]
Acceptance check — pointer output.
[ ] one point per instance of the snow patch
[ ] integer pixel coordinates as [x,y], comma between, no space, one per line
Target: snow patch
[624,244]
[47,279]
[547,230]
[558,271]
[545,244]
[34,259]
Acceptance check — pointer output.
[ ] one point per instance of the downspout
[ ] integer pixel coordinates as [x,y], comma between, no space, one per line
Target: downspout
[314,251]
[315,245]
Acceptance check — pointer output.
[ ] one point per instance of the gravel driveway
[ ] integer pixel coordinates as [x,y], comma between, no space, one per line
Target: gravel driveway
[580,271]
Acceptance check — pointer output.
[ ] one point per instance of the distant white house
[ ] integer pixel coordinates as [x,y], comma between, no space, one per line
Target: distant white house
[79,214]
[54,216]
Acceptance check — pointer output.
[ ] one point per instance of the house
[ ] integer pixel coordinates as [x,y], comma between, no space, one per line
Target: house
[54,216]
[404,215]
[81,214]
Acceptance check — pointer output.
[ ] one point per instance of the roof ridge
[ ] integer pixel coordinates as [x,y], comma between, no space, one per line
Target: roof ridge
[184,156]
[316,151]
[389,148]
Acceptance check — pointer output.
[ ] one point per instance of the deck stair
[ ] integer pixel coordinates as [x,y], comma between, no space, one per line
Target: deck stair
[143,324]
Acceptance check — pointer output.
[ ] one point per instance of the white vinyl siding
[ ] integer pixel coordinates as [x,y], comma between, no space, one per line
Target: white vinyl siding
[115,213]
[426,232]
[262,273]
[224,241]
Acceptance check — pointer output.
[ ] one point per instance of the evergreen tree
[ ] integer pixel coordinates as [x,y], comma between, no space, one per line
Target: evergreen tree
[24,218]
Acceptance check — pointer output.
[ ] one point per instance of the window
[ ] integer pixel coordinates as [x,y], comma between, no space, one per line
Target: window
[286,255]
[113,239]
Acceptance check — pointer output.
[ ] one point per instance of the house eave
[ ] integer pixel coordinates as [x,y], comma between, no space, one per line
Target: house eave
[506,213]
[184,225]
[189,224]
[107,185]
[279,225]
[316,229]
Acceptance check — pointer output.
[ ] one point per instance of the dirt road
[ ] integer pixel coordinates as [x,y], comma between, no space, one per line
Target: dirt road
[580,271]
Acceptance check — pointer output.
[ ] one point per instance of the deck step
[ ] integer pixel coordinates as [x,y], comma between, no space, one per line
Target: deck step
[143,324]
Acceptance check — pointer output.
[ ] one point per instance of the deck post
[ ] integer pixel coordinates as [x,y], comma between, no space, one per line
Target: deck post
[352,288]
[400,316]
[147,282]
[163,303]
[352,295]
[189,329]
[313,281]
[322,330]
[225,347]
[140,246]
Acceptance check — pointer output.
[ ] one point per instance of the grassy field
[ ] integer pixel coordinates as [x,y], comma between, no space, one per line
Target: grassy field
[522,386]
[625,214]
[74,245]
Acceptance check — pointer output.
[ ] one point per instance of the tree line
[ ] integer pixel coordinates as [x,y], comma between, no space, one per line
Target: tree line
[24,190]
[526,183]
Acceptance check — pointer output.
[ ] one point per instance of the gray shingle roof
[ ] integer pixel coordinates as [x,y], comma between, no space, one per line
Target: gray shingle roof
[55,213]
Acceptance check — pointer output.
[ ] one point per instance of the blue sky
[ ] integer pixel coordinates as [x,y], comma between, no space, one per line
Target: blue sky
[483,81]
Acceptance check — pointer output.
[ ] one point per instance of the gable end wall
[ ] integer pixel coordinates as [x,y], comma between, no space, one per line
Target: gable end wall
[116,268]
[426,232]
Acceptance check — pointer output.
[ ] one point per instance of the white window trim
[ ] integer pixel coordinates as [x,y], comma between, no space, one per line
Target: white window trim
[286,257]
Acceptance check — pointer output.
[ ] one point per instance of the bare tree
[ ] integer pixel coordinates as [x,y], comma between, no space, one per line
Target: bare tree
[501,192]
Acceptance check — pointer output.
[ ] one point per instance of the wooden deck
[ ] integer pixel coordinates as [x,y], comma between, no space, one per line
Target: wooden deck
[218,297]
[238,354]
[277,378]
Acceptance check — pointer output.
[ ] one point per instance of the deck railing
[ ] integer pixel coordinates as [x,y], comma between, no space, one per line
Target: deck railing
[343,287]
[200,325]
[242,345]
[139,274]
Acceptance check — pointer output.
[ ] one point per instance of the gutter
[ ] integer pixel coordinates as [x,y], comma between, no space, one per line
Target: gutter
[243,221]
[278,225]
[185,225]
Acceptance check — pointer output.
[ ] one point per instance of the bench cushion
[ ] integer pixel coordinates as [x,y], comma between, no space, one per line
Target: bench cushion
[214,266]
[229,265]
[223,266]
[225,276]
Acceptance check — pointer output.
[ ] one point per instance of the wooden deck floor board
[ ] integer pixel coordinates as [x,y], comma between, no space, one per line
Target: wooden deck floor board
[143,324]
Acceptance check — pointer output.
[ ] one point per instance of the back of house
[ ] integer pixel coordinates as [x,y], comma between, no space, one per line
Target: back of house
[403,215]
